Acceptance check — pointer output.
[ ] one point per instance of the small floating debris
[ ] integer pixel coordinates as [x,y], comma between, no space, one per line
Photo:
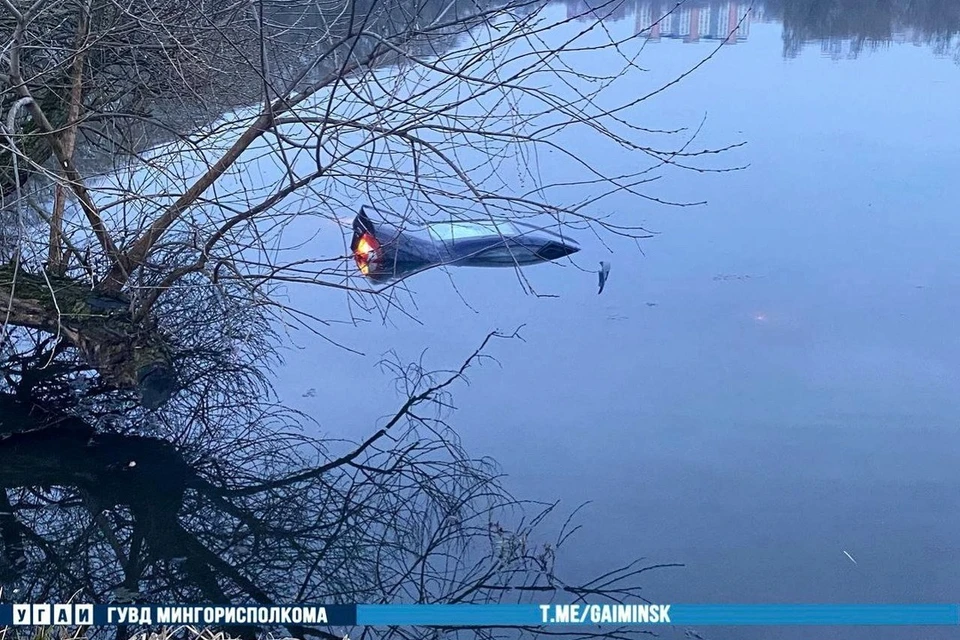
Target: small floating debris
[725,277]
[604,273]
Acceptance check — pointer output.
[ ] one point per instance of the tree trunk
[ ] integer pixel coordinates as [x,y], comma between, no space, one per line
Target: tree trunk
[126,354]
[54,101]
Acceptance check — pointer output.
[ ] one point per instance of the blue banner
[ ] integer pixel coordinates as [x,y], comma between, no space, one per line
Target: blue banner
[481,615]
[657,614]
[816,614]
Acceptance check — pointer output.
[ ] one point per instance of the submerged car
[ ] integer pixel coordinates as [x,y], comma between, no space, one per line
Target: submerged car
[386,246]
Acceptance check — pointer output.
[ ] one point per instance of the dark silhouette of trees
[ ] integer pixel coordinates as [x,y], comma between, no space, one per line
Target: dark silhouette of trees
[867,24]
[228,500]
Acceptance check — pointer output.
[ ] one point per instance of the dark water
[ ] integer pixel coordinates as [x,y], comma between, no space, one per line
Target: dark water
[774,380]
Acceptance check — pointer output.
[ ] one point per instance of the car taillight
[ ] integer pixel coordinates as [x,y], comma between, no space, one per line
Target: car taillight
[366,254]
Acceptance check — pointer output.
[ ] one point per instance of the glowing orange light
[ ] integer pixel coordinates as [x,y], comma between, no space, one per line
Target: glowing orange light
[366,253]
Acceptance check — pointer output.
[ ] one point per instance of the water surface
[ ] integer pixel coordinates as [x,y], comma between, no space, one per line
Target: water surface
[775,379]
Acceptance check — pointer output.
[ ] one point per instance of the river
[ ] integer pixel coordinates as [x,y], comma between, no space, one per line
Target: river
[768,392]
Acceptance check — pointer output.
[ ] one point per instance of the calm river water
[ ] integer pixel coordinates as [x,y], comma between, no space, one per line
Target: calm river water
[775,379]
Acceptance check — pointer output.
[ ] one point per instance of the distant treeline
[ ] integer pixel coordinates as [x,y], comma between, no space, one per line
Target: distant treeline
[933,22]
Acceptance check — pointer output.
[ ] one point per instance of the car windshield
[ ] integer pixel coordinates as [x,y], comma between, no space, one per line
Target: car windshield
[452,231]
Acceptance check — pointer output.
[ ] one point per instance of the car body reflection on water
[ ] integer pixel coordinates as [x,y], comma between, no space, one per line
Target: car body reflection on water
[386,246]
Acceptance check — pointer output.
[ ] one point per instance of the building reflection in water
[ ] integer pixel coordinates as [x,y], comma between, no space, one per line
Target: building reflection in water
[725,21]
[842,28]
[689,22]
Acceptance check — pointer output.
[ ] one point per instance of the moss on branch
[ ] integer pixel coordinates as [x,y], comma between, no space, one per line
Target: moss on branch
[127,354]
